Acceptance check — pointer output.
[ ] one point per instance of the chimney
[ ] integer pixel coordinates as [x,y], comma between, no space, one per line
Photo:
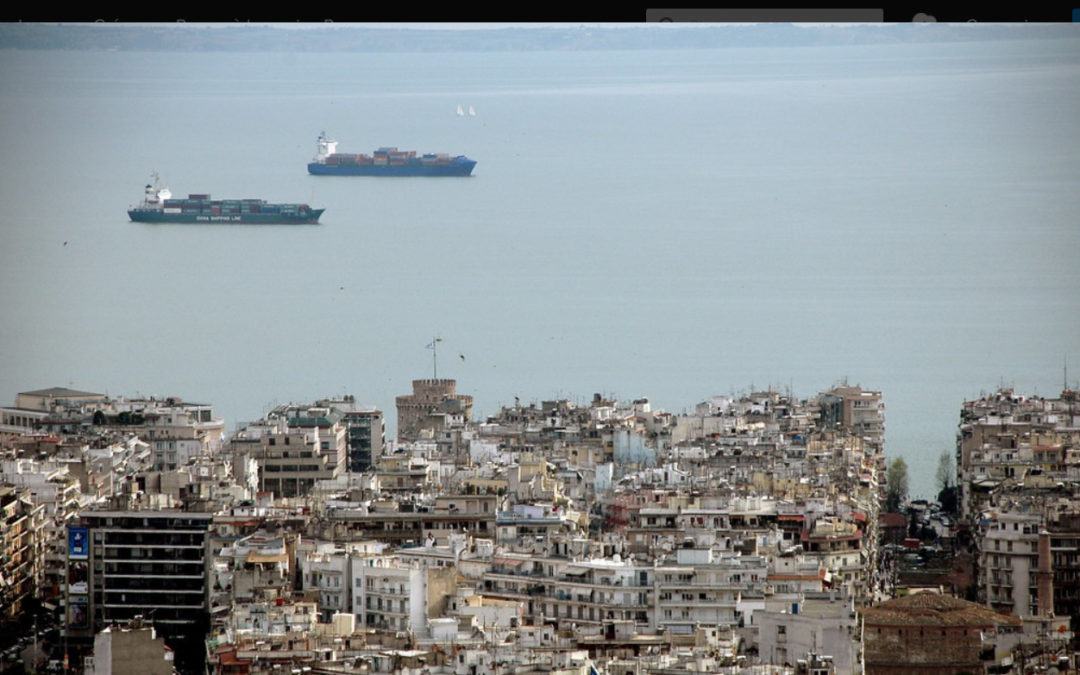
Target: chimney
[1045,576]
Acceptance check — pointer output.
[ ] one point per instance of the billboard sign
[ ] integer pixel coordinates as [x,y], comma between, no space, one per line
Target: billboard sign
[78,545]
[77,616]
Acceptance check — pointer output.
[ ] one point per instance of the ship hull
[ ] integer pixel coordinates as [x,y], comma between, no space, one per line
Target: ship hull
[157,216]
[456,168]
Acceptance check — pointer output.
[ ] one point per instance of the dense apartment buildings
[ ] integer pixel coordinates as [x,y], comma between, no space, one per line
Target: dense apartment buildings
[1018,461]
[606,537]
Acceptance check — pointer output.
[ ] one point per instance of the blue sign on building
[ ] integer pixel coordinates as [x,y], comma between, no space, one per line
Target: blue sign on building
[78,546]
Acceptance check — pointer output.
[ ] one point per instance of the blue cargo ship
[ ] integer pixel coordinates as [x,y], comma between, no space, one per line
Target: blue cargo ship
[158,206]
[385,162]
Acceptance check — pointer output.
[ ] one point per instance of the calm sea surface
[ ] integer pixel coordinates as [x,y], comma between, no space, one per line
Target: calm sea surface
[669,224]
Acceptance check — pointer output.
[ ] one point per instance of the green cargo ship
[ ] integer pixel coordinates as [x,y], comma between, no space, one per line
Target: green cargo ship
[158,206]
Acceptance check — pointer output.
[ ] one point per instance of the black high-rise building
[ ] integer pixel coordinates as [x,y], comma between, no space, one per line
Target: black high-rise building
[148,563]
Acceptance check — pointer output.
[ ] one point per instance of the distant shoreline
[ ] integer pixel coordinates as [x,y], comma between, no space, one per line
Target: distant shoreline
[180,36]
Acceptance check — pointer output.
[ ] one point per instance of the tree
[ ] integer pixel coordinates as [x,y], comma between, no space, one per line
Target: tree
[945,471]
[946,480]
[949,499]
[896,485]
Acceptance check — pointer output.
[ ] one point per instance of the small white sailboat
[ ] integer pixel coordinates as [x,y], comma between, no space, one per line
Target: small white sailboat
[472,111]
[460,111]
